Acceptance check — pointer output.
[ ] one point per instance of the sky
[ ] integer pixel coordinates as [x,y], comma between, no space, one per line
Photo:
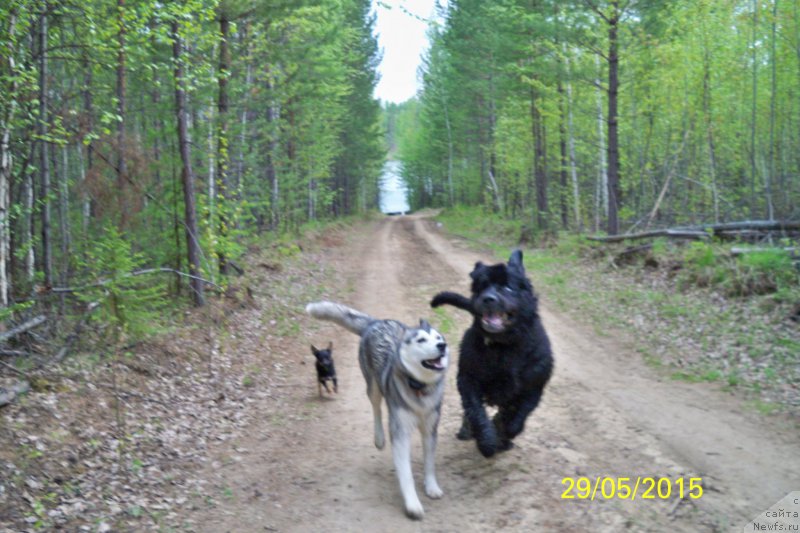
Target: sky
[401,27]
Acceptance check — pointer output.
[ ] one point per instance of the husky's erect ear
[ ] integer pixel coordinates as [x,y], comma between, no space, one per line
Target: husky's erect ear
[515,261]
[474,273]
[424,326]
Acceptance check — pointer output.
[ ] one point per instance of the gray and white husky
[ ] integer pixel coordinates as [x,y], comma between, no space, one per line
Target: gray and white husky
[406,366]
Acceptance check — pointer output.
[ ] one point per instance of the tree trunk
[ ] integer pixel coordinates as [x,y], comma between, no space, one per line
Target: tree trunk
[187,175]
[539,161]
[86,165]
[449,151]
[248,81]
[29,222]
[571,141]
[44,153]
[271,173]
[121,93]
[223,157]
[707,110]
[770,175]
[6,163]
[614,190]
[562,145]
[754,110]
[63,216]
[601,190]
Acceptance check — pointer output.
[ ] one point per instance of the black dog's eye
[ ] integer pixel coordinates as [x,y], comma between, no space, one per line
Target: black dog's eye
[508,289]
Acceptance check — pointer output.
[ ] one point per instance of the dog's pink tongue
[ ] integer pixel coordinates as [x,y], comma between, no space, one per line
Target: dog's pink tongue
[493,321]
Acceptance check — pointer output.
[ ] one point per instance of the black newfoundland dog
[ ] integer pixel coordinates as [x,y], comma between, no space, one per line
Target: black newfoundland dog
[505,357]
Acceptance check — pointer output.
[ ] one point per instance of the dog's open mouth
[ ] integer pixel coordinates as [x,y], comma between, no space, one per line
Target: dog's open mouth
[494,322]
[434,364]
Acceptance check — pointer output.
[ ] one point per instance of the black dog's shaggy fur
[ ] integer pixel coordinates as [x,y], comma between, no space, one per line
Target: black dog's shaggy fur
[325,370]
[505,358]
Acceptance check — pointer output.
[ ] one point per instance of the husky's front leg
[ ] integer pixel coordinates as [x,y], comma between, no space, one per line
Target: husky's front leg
[400,425]
[428,430]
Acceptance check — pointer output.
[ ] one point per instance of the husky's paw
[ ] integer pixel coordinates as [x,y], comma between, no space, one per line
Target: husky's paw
[414,510]
[380,440]
[432,490]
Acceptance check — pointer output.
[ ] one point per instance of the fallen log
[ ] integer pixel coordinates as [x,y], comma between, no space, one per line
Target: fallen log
[741,251]
[22,328]
[763,225]
[144,271]
[671,233]
[704,231]
[15,353]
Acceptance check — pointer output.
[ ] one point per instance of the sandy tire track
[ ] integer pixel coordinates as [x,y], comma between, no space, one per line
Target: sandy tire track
[604,414]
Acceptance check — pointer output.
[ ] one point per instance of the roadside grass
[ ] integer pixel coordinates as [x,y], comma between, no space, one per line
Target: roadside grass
[692,310]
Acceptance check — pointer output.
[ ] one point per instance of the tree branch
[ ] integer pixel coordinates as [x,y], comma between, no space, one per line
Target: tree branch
[142,272]
[25,326]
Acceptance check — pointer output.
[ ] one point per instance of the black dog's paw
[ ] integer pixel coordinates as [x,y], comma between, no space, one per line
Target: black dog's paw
[490,446]
[514,428]
[452,298]
[465,433]
[489,443]
[439,299]
[508,429]
[487,449]
[505,445]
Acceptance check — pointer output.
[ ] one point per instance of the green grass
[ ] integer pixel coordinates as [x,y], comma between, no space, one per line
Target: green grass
[444,322]
[719,317]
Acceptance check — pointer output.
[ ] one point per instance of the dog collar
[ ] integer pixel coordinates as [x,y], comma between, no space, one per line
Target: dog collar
[417,386]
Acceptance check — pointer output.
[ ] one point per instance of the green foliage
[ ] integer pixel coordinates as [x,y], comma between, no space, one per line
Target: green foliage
[751,273]
[11,310]
[693,335]
[703,266]
[700,114]
[300,141]
[129,304]
[763,272]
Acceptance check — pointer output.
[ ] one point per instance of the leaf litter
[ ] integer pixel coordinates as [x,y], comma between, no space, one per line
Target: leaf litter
[118,443]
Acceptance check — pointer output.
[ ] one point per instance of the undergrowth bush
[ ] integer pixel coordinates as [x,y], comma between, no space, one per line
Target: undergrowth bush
[130,305]
[703,265]
[708,264]
[762,272]
[466,222]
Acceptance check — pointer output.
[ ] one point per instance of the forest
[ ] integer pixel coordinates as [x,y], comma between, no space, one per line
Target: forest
[149,139]
[179,179]
[614,116]
[145,145]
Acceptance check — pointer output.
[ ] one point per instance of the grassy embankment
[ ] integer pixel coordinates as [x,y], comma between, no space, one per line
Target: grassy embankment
[691,309]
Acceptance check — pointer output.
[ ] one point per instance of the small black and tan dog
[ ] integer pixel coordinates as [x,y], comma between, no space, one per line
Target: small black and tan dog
[325,369]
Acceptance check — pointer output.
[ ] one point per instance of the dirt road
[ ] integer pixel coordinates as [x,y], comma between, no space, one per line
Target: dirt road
[311,464]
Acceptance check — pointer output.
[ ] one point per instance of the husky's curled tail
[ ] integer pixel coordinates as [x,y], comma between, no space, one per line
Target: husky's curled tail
[348,318]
